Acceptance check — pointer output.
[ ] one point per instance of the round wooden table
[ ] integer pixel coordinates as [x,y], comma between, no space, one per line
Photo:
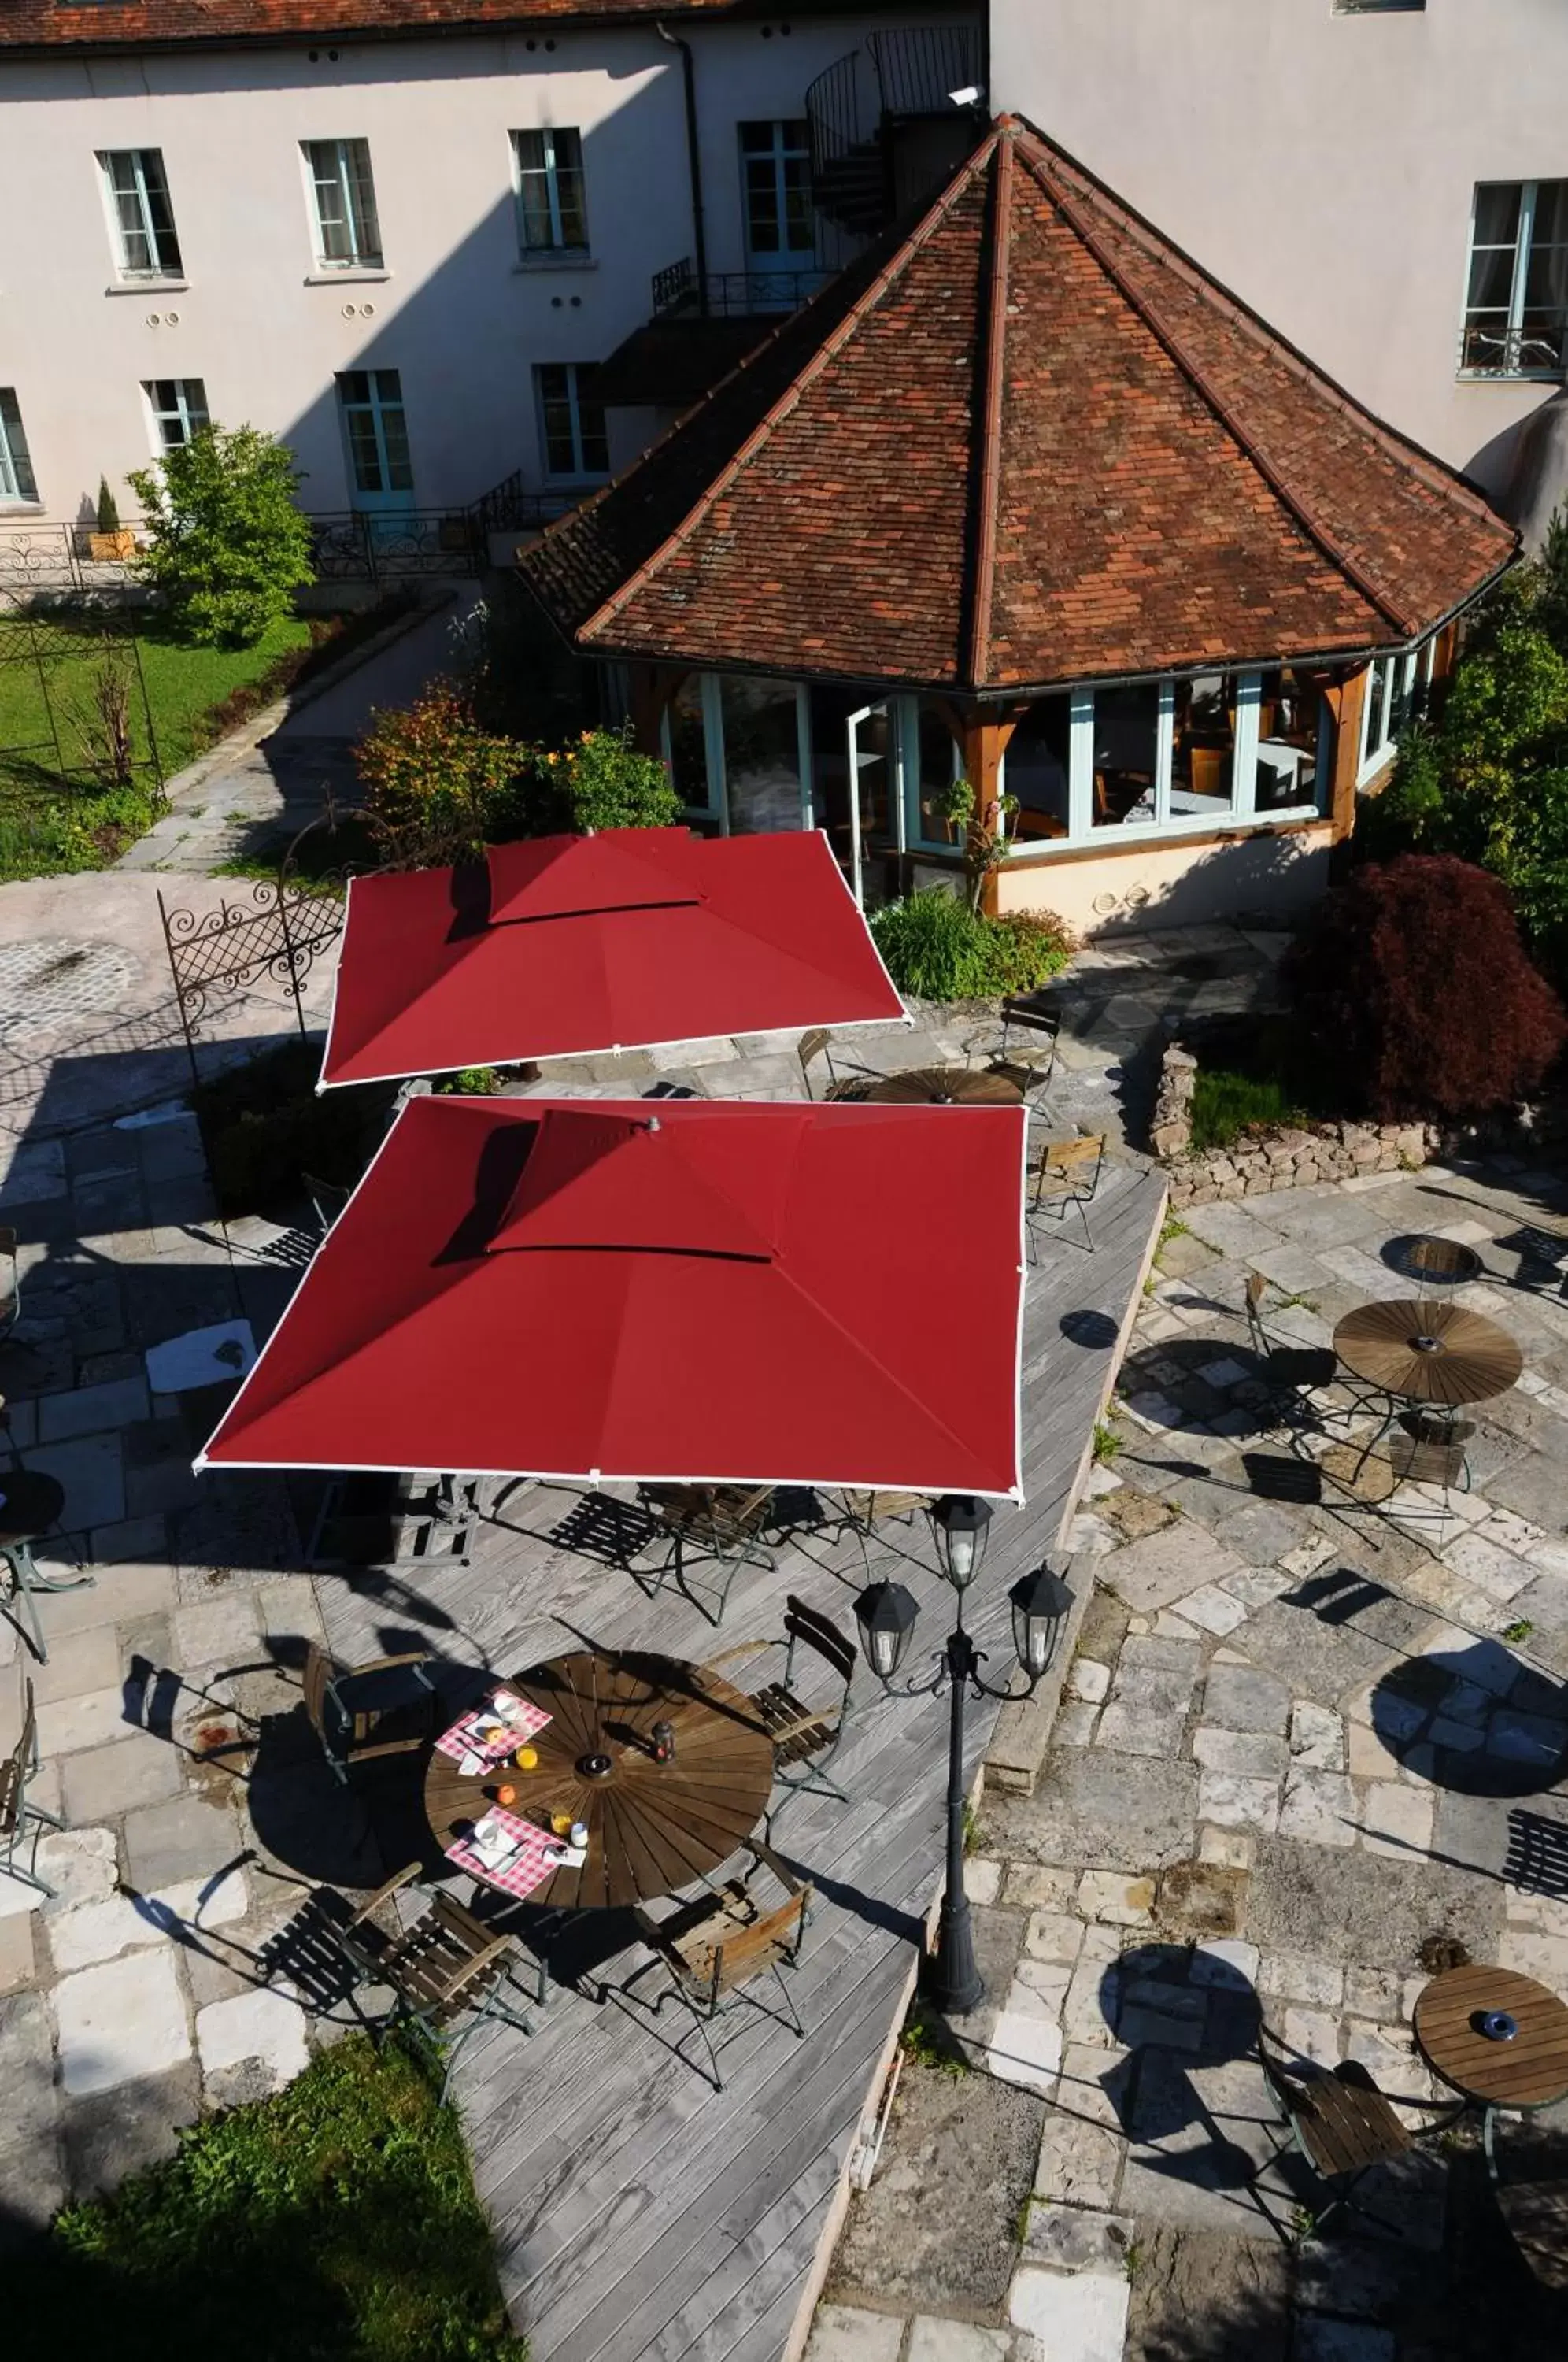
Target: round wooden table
[652,1827]
[945,1086]
[1428,1353]
[1530,2071]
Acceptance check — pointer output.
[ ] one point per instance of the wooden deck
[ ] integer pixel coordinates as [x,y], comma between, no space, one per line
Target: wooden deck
[640,2216]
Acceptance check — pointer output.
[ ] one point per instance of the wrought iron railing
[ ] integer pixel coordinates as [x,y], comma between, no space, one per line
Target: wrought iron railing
[511,507]
[733,294]
[919,69]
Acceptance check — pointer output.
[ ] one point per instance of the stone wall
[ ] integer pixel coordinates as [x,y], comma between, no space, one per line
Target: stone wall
[1286,1159]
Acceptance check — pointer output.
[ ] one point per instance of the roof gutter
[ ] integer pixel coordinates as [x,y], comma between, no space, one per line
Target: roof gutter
[693,159]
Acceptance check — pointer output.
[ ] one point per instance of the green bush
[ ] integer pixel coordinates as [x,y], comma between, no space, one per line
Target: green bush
[264,1128]
[938,949]
[227,548]
[469,1082]
[602,781]
[334,2222]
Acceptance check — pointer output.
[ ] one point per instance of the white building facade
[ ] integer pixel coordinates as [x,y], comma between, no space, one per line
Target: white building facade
[1385,180]
[405,256]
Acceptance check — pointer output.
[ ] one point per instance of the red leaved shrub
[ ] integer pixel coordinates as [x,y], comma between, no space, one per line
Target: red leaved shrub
[1413,983]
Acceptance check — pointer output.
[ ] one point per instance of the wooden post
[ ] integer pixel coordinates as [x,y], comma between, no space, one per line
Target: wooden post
[652,687]
[1345,699]
[984,735]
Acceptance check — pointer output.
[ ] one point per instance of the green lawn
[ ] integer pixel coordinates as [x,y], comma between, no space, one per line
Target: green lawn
[337,2223]
[1257,1076]
[55,810]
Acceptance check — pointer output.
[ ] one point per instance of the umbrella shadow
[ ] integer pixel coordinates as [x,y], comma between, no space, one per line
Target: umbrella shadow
[1476,1720]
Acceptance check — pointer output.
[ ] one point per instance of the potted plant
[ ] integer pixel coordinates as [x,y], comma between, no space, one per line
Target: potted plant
[112,540]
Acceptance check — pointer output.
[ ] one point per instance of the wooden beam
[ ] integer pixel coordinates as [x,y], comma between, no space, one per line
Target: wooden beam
[652,687]
[984,735]
[1346,700]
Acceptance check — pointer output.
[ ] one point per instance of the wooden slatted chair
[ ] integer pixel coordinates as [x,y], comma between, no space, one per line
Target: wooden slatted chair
[1026,1057]
[21,1824]
[1066,1175]
[805,1738]
[445,1970]
[864,1512]
[361,1714]
[818,1043]
[715,1948]
[1342,2124]
[723,1524]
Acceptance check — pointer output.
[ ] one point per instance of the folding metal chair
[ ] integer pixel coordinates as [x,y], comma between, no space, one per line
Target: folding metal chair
[714,1947]
[818,1043]
[805,1738]
[1066,1178]
[361,1715]
[22,1824]
[724,1523]
[445,1969]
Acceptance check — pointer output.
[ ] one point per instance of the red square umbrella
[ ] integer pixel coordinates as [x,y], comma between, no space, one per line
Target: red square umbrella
[565,947]
[716,1293]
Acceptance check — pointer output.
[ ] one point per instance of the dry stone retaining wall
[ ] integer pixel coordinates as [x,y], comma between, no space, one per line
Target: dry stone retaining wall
[1286,1159]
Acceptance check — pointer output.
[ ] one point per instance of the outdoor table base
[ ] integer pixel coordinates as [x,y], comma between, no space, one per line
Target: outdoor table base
[652,1827]
[1528,2070]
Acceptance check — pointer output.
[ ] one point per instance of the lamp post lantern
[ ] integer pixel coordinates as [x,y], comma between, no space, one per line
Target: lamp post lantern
[885,1614]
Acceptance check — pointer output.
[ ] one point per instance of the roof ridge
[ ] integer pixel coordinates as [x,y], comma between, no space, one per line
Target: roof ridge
[897,263]
[1311,524]
[988,492]
[1400,447]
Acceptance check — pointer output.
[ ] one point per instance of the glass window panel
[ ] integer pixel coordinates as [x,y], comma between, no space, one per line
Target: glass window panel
[366,451]
[1290,713]
[1491,278]
[1035,770]
[593,441]
[1203,750]
[394,440]
[362,199]
[556,408]
[1126,751]
[762,754]
[348,231]
[16,481]
[356,385]
[686,747]
[937,765]
[1497,212]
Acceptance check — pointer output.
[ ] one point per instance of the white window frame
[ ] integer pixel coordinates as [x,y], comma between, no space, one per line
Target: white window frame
[190,417]
[778,153]
[363,258]
[557,242]
[579,473]
[18,485]
[1509,366]
[1237,818]
[1414,666]
[717,808]
[155,272]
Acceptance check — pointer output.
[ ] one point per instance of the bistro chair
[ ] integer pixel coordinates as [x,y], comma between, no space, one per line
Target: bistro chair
[720,1523]
[362,1714]
[1426,1448]
[10,1283]
[805,1738]
[864,1512]
[818,1043]
[713,1948]
[31,1505]
[1293,1371]
[1066,1175]
[1342,2124]
[1026,1055]
[22,1824]
[445,1969]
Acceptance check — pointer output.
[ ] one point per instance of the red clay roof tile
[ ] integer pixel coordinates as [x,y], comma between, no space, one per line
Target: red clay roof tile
[140,24]
[1029,443]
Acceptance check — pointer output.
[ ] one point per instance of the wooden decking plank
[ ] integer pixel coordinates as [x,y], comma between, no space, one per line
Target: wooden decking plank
[641,2217]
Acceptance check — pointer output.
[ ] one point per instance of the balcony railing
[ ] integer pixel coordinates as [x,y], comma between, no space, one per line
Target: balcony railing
[732,294]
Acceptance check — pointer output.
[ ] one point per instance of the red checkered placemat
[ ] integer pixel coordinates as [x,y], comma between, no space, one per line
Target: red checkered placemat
[528,1867]
[523,1723]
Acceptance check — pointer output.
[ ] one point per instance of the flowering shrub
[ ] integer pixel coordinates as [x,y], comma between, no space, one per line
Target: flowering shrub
[1412,978]
[602,781]
[437,787]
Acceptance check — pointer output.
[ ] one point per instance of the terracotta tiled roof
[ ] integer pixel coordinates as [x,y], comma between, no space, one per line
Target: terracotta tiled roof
[1030,443]
[100,24]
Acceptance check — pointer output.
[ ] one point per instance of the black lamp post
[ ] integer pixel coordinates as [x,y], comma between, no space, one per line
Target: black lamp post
[885,1614]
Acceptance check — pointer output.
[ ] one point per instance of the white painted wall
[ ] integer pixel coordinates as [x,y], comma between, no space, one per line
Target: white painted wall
[1321,165]
[1272,875]
[456,315]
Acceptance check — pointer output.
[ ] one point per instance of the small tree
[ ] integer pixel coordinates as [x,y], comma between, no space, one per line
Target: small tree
[1413,980]
[437,787]
[227,546]
[984,840]
[108,508]
[601,781]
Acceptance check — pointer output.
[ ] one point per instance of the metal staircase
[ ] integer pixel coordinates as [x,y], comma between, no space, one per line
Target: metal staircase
[862,110]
